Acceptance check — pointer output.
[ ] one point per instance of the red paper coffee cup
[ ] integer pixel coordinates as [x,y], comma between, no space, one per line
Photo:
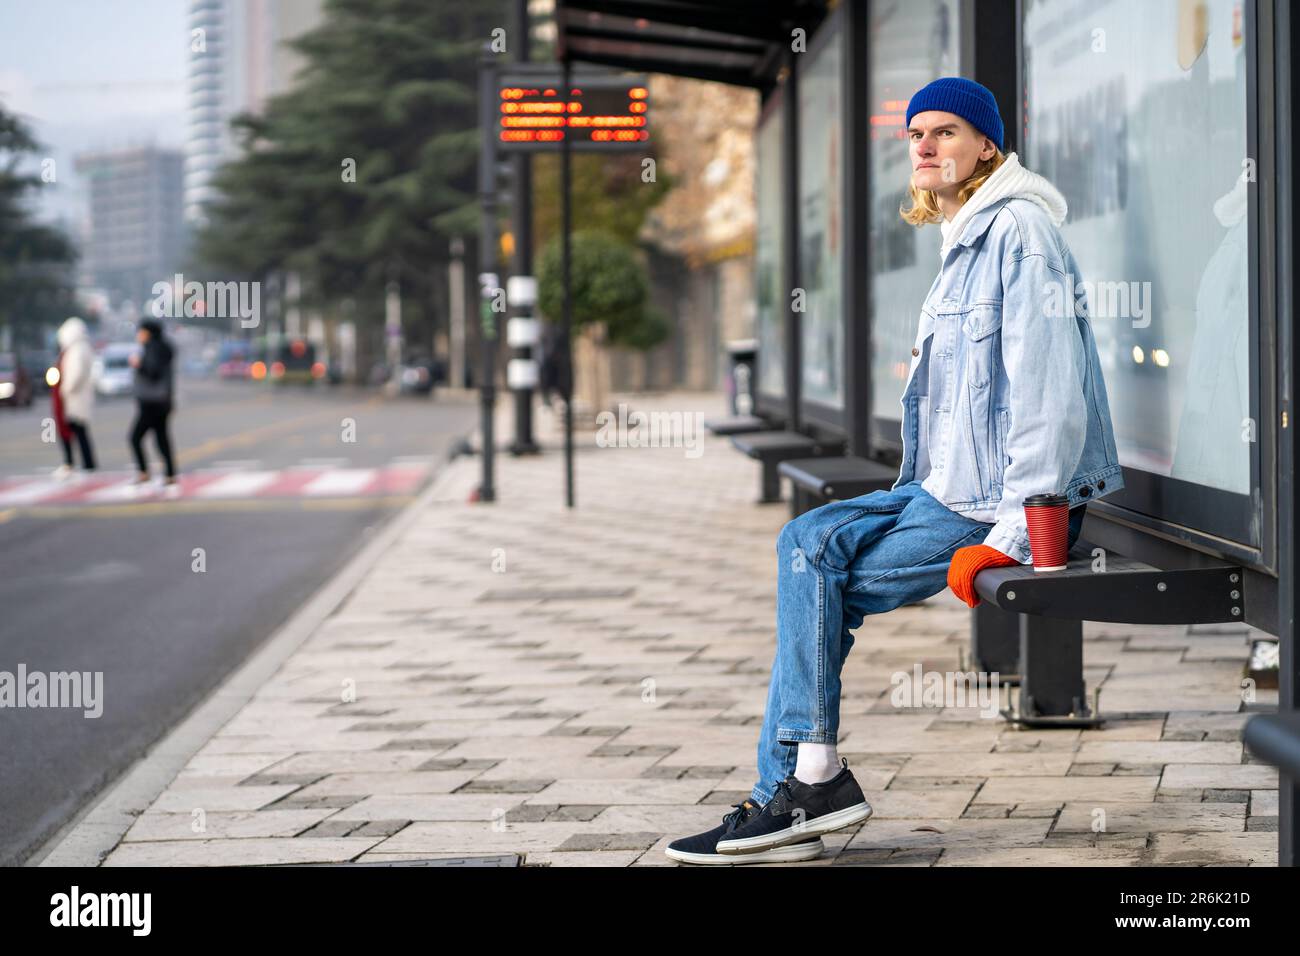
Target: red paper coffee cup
[1048,518]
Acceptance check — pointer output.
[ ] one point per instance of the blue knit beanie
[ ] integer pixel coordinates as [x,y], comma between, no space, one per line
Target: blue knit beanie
[970,100]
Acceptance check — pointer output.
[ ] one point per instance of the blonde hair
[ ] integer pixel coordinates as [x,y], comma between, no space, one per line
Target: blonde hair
[925,207]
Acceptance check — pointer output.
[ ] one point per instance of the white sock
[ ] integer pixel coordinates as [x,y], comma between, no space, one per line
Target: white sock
[816,763]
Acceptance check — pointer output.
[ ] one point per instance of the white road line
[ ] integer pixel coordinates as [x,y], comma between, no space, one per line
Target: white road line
[344,481]
[237,485]
[324,463]
[125,490]
[33,491]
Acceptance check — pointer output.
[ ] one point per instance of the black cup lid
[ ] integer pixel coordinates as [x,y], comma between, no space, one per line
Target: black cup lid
[1045,500]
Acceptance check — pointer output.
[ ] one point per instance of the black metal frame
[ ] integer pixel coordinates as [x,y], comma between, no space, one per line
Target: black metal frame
[729,41]
[856,292]
[1285,44]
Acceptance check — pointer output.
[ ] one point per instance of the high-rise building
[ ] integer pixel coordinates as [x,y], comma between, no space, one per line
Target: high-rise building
[137,231]
[238,59]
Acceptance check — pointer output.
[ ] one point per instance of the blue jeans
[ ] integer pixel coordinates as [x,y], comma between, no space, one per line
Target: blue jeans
[837,564]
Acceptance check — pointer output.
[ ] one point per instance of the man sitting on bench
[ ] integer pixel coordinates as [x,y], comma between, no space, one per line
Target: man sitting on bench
[1005,399]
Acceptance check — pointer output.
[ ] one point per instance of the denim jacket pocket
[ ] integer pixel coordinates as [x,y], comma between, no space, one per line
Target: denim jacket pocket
[978,325]
[1001,459]
[924,459]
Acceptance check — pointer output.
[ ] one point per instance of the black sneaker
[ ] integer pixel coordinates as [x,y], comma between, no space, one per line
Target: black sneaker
[797,811]
[701,848]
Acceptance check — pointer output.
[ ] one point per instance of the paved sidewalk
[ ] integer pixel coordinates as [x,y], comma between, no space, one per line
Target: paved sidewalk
[582,688]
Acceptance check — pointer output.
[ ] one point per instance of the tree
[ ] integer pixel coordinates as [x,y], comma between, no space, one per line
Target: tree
[36,286]
[609,286]
[610,193]
[366,169]
[609,303]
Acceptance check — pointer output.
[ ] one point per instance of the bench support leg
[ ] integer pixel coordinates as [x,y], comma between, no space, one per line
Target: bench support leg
[995,642]
[771,483]
[1052,692]
[801,501]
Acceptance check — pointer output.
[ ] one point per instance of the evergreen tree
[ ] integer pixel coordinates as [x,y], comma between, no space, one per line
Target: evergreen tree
[36,287]
[366,168]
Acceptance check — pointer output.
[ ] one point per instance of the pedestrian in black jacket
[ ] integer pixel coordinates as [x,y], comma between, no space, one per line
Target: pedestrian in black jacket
[153,392]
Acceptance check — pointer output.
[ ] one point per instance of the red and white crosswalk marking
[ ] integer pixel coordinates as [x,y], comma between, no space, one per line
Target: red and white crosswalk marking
[237,484]
[302,481]
[341,482]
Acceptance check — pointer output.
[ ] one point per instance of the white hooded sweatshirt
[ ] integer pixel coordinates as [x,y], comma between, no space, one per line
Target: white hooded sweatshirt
[76,382]
[1009,179]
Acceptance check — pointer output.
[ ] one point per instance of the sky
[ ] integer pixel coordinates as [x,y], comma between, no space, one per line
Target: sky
[93,74]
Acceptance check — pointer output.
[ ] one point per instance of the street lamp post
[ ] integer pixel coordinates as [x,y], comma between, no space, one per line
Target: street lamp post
[488,280]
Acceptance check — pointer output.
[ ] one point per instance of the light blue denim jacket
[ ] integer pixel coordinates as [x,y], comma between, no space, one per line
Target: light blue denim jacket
[1023,405]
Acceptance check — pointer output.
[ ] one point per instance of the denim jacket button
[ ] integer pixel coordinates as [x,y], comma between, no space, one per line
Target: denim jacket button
[1101,485]
[915,350]
[1085,491]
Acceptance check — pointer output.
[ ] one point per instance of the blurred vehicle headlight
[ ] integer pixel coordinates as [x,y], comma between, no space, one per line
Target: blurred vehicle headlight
[6,389]
[52,376]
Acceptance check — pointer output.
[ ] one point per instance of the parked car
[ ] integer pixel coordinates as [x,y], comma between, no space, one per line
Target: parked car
[234,360]
[15,382]
[295,362]
[114,375]
[417,375]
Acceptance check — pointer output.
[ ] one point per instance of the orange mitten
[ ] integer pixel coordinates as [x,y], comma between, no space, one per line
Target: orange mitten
[970,561]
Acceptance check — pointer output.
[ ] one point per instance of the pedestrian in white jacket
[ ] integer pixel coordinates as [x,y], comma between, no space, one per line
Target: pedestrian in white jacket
[75,392]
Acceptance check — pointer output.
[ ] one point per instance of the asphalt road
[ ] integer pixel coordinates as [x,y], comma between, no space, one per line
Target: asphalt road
[109,585]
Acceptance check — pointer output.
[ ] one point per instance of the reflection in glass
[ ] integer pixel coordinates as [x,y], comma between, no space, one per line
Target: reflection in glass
[821,235]
[1137,113]
[773,303]
[910,45]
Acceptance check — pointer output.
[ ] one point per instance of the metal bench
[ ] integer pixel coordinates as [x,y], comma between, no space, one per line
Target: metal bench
[1276,738]
[1029,625]
[740,425]
[815,481]
[772,448]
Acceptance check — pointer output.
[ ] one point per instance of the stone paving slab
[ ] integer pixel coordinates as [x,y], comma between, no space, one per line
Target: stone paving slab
[238,852]
[1039,856]
[581,687]
[1240,776]
[1151,817]
[152,827]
